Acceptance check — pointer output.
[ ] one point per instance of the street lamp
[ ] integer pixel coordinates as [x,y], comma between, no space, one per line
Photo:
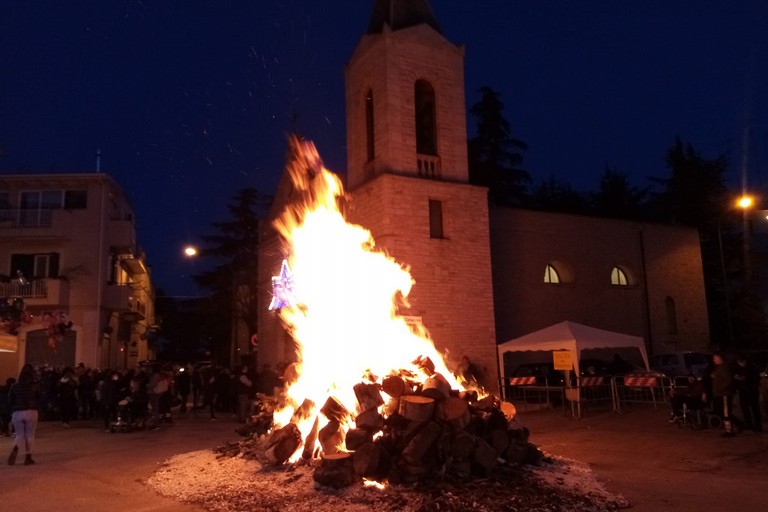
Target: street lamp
[190,251]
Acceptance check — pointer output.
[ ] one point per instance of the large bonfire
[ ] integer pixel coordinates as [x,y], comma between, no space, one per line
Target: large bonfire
[368,389]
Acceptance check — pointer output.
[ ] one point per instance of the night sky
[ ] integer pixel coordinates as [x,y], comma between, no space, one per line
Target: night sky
[191,100]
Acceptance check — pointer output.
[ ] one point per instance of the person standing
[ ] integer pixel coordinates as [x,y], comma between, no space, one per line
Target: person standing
[244,392]
[747,379]
[66,392]
[24,398]
[183,384]
[722,389]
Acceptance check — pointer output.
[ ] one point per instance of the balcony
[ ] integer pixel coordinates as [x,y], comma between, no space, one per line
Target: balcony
[38,292]
[119,298]
[428,167]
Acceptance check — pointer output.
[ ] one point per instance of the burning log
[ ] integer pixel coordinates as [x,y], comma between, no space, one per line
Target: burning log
[334,410]
[394,386]
[283,443]
[425,364]
[368,396]
[331,437]
[417,408]
[436,386]
[335,470]
[311,441]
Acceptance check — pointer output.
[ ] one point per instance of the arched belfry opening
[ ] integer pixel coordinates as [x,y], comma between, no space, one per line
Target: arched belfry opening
[426,118]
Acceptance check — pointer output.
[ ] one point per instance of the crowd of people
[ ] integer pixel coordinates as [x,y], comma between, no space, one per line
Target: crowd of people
[721,387]
[141,397]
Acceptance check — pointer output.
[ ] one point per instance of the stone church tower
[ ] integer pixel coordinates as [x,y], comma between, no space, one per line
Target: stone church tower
[408,177]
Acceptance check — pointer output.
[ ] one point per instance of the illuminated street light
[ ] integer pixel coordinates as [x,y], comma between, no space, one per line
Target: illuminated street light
[190,251]
[745,202]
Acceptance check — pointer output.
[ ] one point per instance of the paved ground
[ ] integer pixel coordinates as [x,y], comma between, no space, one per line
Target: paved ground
[657,466]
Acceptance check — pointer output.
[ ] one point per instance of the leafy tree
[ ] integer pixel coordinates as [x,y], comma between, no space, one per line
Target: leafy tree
[616,197]
[695,193]
[494,155]
[233,281]
[558,196]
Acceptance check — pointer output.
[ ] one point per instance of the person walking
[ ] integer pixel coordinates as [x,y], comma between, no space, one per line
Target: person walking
[24,398]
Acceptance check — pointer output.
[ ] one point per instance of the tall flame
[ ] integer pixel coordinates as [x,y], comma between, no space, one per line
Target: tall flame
[345,320]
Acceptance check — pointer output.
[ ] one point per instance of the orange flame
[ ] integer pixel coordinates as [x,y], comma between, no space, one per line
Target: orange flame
[345,322]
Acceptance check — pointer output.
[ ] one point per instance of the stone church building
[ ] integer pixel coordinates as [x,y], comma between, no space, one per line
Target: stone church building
[482,277]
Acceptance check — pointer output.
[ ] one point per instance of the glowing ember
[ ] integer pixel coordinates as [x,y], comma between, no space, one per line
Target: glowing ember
[343,314]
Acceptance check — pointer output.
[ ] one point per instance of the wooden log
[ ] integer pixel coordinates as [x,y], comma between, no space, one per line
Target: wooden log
[454,411]
[368,396]
[391,407]
[436,386]
[305,410]
[463,445]
[366,460]
[417,408]
[357,437]
[420,444]
[462,468]
[499,439]
[311,441]
[335,471]
[485,404]
[334,410]
[331,438]
[283,443]
[425,364]
[485,455]
[393,385]
[370,420]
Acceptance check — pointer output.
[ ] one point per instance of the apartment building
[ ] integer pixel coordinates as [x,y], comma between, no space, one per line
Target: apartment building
[74,284]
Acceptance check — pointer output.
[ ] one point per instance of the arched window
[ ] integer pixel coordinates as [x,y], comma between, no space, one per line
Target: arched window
[551,275]
[369,126]
[669,304]
[619,277]
[426,132]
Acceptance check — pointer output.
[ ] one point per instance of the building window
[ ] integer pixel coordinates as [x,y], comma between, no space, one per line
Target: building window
[75,199]
[436,219]
[369,126]
[551,275]
[37,266]
[426,132]
[669,304]
[619,277]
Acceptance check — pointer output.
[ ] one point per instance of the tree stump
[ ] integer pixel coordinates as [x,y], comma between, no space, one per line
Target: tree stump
[334,410]
[311,441]
[420,444]
[463,445]
[357,437]
[454,411]
[368,396]
[370,420]
[331,437]
[436,386]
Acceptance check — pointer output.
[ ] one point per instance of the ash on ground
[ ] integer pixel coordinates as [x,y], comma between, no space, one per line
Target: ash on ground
[229,480]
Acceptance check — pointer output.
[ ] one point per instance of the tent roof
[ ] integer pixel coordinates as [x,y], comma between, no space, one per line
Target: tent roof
[8,343]
[574,337]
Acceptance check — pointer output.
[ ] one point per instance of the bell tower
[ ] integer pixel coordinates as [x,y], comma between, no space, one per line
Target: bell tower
[408,178]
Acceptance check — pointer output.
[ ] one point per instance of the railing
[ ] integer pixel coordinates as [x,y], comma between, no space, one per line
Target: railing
[26,217]
[428,166]
[37,289]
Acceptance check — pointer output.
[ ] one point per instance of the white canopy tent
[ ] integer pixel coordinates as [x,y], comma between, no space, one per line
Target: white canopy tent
[574,338]
[8,343]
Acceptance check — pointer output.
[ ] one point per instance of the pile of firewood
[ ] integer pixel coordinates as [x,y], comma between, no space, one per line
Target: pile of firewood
[425,430]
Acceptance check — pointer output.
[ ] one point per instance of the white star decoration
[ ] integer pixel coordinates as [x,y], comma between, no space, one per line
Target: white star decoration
[282,288]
